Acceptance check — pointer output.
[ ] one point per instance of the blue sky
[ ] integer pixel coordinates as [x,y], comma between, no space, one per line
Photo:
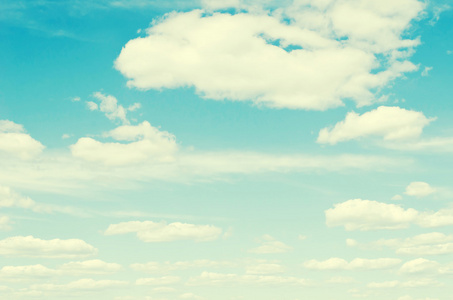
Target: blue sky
[226,149]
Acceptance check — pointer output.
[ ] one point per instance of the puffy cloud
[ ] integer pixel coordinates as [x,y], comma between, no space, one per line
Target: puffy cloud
[85,284]
[358,214]
[21,272]
[148,144]
[149,231]
[35,247]
[336,263]
[94,266]
[259,57]
[166,280]
[270,245]
[419,265]
[14,141]
[109,105]
[390,122]
[213,279]
[419,189]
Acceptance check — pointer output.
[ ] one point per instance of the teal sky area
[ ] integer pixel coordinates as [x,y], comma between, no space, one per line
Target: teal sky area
[226,150]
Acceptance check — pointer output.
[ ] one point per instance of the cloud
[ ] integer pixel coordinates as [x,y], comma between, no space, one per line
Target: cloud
[270,245]
[335,263]
[423,282]
[166,280]
[389,122]
[419,189]
[214,279]
[419,265]
[259,57]
[358,214]
[34,247]
[150,232]
[433,243]
[426,71]
[94,266]
[15,142]
[146,143]
[109,106]
[23,272]
[85,284]
[166,267]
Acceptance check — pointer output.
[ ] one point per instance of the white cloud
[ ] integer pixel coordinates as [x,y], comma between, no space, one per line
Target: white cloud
[35,247]
[336,263]
[148,144]
[85,284]
[14,141]
[251,56]
[424,282]
[419,265]
[220,4]
[419,189]
[75,99]
[109,106]
[426,70]
[94,266]
[166,267]
[358,214]
[92,105]
[166,280]
[22,272]
[190,296]
[270,245]
[213,279]
[390,122]
[149,231]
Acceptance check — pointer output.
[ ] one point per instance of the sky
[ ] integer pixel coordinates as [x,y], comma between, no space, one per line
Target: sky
[226,149]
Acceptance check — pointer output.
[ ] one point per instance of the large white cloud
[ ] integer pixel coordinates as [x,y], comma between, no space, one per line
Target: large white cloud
[149,231]
[259,57]
[390,122]
[148,144]
[35,247]
[336,263]
[15,142]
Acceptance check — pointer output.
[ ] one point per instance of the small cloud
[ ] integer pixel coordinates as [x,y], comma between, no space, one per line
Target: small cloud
[75,99]
[92,105]
[419,189]
[426,71]
[302,237]
[134,107]
[270,245]
[65,136]
[397,197]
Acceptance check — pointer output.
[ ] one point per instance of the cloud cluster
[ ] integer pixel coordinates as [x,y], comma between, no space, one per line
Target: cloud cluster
[150,232]
[34,247]
[358,214]
[110,107]
[146,143]
[15,141]
[310,56]
[390,122]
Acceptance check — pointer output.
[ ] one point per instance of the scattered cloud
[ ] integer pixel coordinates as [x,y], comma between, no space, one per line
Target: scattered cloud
[358,214]
[419,189]
[389,122]
[15,142]
[150,232]
[94,266]
[426,70]
[297,64]
[335,263]
[270,245]
[35,247]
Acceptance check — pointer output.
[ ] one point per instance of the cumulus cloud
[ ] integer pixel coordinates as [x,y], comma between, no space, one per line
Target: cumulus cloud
[146,143]
[336,263]
[270,245]
[389,122]
[109,105]
[358,214]
[35,247]
[419,189]
[166,280]
[323,55]
[15,141]
[213,279]
[150,232]
[419,265]
[22,272]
